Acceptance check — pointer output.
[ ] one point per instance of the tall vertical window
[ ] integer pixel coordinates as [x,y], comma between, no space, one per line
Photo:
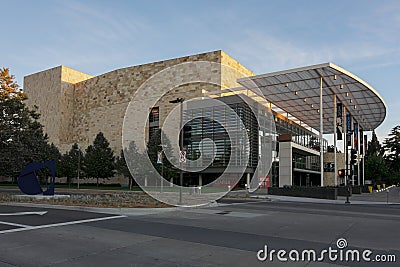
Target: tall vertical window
[154,118]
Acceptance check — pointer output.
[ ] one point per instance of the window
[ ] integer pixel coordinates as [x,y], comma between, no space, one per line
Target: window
[329,167]
[154,115]
[154,118]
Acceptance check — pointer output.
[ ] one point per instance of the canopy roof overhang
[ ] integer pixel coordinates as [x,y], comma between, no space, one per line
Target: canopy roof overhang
[297,92]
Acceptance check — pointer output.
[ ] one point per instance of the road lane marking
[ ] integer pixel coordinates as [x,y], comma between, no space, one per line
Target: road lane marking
[28,227]
[14,224]
[24,213]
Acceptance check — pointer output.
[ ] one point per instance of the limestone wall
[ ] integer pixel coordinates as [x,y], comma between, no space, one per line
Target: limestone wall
[53,92]
[233,71]
[44,90]
[329,177]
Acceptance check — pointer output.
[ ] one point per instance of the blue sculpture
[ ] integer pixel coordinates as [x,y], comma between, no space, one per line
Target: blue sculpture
[28,180]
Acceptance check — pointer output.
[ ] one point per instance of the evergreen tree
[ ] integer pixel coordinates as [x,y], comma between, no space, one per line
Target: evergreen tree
[392,147]
[154,147]
[376,169]
[133,160]
[99,159]
[21,135]
[70,163]
[374,147]
[50,152]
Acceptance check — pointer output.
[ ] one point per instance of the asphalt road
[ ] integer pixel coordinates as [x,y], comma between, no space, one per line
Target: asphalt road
[228,235]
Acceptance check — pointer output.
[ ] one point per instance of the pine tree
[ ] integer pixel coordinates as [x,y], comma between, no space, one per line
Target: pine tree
[376,169]
[374,147]
[21,135]
[99,159]
[392,147]
[154,147]
[50,152]
[132,164]
[70,163]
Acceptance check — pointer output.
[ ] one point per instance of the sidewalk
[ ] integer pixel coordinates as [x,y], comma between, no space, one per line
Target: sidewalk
[393,196]
[340,200]
[375,198]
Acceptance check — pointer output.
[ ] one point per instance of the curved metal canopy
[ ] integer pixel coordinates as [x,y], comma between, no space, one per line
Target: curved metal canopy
[297,92]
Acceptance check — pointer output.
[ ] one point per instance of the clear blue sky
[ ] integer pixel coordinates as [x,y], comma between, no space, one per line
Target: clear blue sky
[99,36]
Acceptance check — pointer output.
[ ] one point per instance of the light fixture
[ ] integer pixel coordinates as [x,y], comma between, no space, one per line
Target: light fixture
[351,100]
[355,106]
[341,86]
[318,110]
[312,105]
[305,99]
[334,77]
[296,93]
[347,93]
[178,100]
[286,85]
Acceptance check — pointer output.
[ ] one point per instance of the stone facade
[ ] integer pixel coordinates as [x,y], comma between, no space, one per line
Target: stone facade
[329,177]
[52,92]
[74,106]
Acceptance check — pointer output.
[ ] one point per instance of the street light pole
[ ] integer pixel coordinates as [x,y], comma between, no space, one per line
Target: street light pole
[180,100]
[162,166]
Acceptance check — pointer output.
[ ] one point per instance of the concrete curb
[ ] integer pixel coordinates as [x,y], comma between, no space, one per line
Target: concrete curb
[383,189]
[119,211]
[324,201]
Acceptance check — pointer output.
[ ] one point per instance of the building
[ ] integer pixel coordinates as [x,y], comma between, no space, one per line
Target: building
[76,106]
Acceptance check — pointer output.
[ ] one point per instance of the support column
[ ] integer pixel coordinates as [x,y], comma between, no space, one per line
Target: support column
[200,179]
[345,144]
[358,155]
[285,163]
[335,136]
[321,131]
[363,158]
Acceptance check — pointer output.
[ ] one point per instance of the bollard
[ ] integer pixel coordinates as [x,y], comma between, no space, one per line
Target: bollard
[348,195]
